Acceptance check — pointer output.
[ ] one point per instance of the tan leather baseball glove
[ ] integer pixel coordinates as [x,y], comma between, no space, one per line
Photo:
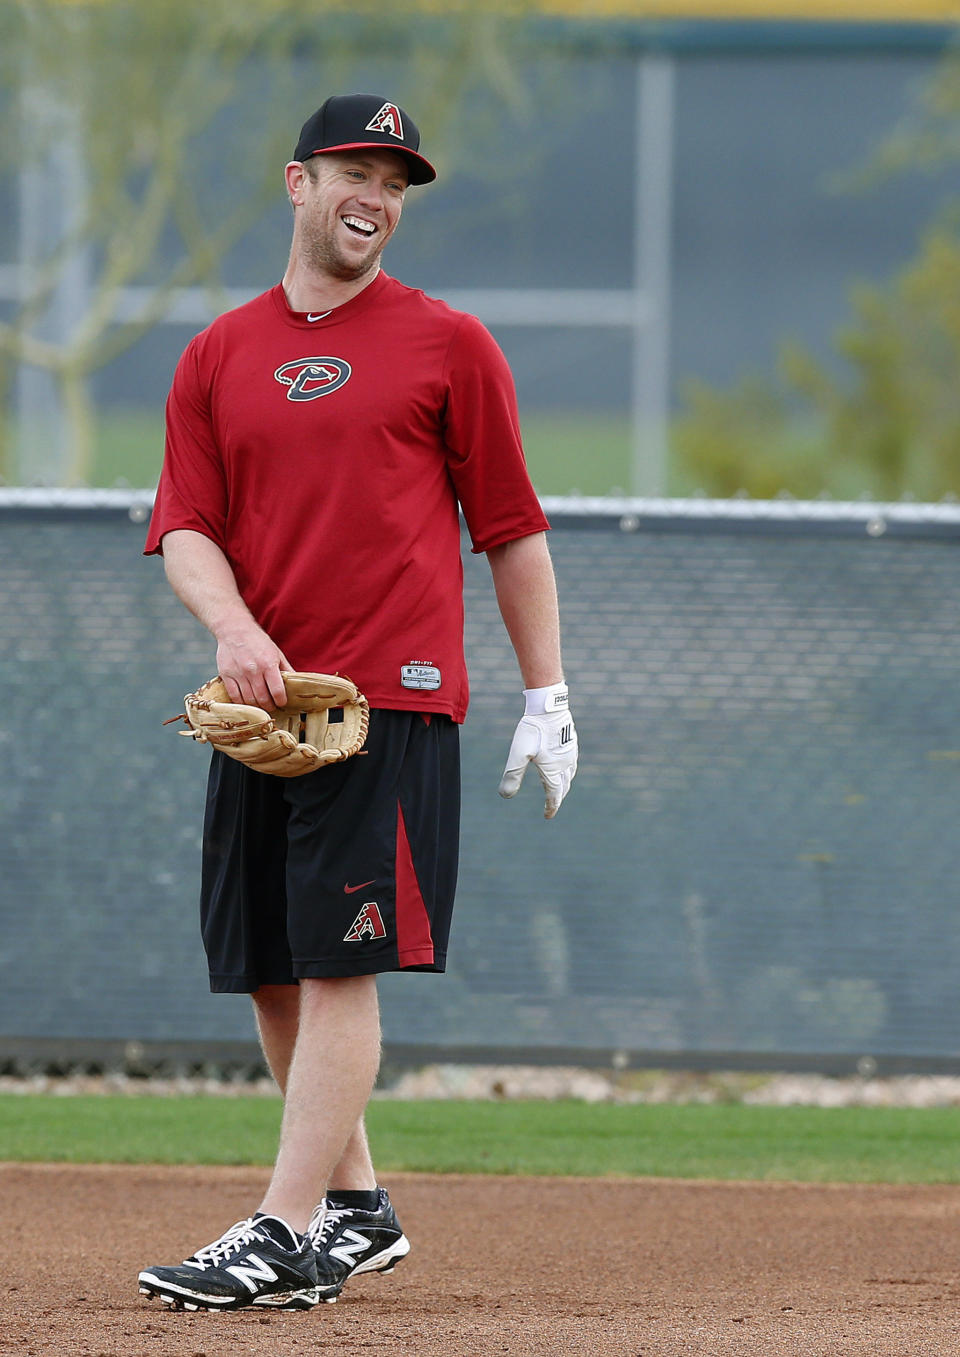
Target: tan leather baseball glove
[323,720]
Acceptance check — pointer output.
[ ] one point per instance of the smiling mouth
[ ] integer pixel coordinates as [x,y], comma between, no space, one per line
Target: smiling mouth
[366,229]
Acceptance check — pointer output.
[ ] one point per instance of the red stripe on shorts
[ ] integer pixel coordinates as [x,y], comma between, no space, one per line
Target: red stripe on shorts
[414,939]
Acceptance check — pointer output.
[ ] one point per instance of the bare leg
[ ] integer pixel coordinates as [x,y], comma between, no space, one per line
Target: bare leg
[277,1009]
[328,1081]
[355,1171]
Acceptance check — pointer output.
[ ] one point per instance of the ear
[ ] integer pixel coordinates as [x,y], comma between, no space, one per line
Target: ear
[294,174]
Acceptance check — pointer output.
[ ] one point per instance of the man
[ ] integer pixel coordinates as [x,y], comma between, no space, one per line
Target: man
[318,442]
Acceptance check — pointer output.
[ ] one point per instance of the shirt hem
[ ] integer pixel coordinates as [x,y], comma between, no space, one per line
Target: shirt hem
[456,711]
[514,535]
[157,548]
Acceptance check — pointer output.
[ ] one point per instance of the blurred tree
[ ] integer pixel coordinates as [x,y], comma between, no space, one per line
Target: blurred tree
[137,164]
[884,422]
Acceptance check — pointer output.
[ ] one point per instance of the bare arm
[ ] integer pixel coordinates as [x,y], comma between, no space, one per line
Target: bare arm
[247,660]
[527,597]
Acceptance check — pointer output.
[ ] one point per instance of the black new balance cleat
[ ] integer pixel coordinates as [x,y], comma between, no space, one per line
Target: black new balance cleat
[258,1261]
[349,1241]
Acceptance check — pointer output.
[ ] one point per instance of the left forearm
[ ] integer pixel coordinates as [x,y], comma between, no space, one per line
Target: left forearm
[527,597]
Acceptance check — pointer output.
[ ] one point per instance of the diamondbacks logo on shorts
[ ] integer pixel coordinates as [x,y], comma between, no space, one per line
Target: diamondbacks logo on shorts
[309,378]
[387,119]
[367,924]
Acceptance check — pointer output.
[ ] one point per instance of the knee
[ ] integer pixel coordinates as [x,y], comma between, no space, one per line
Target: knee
[341,989]
[277,1000]
[333,984]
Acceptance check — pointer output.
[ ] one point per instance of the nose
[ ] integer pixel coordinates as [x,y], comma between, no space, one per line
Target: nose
[371,195]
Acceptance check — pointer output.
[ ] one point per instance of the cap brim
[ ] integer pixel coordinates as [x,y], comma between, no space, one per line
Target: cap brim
[421,171]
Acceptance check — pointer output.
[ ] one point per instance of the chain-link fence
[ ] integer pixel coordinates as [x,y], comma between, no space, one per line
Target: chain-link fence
[757,863]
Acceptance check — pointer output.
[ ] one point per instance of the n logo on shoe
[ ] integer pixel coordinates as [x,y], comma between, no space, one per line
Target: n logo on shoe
[349,1247]
[367,924]
[253,1271]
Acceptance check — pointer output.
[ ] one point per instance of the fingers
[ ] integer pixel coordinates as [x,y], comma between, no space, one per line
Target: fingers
[553,786]
[556,784]
[275,684]
[250,666]
[511,780]
[256,687]
[524,746]
[550,741]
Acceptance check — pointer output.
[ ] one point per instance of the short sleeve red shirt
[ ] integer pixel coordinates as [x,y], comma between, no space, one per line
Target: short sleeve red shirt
[326,457]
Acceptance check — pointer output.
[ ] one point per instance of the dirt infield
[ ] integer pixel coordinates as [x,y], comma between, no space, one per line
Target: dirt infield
[502,1265]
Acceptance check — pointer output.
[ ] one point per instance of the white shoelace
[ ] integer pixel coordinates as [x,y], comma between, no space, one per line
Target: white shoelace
[324,1222]
[244,1232]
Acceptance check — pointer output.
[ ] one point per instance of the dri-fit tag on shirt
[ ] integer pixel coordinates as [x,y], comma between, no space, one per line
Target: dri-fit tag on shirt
[419,676]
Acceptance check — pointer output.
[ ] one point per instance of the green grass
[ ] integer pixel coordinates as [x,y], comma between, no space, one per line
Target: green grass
[588,454]
[128,447]
[718,1141]
[591,455]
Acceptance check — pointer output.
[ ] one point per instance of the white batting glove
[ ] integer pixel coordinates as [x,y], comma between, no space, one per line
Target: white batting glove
[547,737]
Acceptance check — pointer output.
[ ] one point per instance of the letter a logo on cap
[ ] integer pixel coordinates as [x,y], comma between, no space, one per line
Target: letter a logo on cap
[387,119]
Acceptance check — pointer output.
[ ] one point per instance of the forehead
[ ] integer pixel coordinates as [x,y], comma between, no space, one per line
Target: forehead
[366,158]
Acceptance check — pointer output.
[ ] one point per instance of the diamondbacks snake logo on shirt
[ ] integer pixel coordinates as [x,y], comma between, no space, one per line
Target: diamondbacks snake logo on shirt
[309,378]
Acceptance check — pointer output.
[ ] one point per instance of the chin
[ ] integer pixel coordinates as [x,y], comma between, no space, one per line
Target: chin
[349,273]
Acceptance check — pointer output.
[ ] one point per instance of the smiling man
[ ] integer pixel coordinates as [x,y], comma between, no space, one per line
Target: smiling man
[320,441]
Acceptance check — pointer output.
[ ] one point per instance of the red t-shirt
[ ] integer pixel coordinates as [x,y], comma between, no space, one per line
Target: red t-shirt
[326,457]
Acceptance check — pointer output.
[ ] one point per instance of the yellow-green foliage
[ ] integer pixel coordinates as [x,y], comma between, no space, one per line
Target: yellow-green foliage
[883,419]
[885,422]
[177,118]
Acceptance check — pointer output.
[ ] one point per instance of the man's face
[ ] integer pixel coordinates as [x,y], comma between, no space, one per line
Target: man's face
[350,209]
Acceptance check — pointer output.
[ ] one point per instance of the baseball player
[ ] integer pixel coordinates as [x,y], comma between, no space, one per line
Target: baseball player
[319,441]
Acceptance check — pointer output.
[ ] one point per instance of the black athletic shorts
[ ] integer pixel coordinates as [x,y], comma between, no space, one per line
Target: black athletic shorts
[350,870]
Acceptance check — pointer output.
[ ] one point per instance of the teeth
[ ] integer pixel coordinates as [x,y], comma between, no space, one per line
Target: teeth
[360,225]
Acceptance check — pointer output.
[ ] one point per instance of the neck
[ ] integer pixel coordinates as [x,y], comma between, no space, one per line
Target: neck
[306,290]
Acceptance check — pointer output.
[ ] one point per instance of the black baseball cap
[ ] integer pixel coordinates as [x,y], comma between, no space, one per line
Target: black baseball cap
[347,122]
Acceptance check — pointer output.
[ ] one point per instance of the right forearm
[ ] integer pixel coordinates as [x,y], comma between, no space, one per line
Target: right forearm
[201,577]
[248,661]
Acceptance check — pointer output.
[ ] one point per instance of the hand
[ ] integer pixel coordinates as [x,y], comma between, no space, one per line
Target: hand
[546,737]
[250,665]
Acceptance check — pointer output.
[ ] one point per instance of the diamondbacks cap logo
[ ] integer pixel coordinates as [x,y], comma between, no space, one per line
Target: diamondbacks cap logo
[367,924]
[386,119]
[309,378]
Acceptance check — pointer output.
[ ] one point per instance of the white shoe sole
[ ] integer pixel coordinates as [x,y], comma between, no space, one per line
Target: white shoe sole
[383,1262]
[179,1298]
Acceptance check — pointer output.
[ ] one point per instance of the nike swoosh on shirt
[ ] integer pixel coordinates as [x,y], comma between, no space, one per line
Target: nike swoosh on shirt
[348,890]
[311,316]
